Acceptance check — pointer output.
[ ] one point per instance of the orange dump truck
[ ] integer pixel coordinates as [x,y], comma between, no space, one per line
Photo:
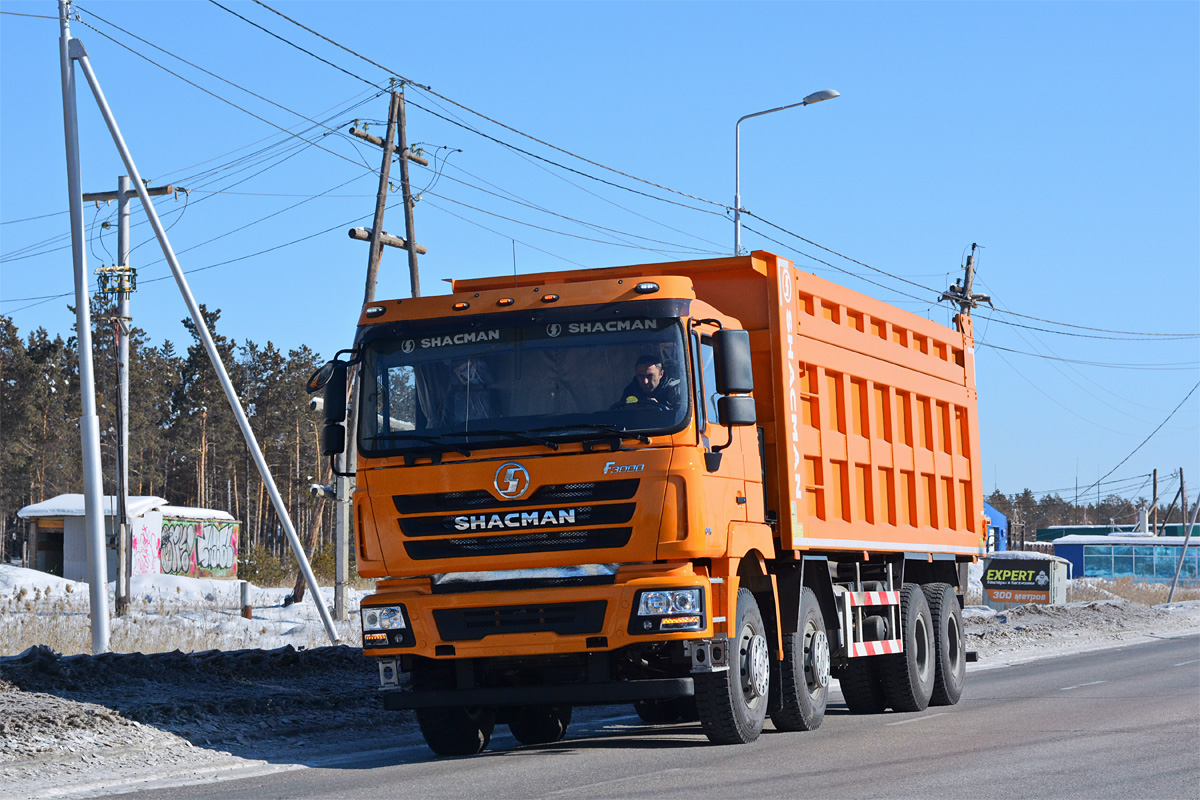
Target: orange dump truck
[703,487]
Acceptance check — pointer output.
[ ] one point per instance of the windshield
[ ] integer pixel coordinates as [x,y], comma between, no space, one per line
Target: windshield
[455,388]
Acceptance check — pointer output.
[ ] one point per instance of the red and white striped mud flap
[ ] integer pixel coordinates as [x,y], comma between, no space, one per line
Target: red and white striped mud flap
[876,648]
[872,598]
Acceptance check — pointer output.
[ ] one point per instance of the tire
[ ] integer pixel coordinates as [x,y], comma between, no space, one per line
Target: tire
[950,655]
[804,672]
[450,731]
[540,724]
[732,704]
[908,676]
[657,712]
[861,687]
[457,731]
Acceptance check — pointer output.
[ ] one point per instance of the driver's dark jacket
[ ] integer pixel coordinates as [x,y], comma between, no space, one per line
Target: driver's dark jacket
[667,393]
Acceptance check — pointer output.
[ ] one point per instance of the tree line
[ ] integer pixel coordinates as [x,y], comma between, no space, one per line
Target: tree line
[184,443]
[1026,512]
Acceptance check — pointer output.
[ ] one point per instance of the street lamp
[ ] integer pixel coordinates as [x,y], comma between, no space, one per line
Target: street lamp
[815,97]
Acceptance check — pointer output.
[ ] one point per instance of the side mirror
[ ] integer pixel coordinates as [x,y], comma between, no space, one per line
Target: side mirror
[333,439]
[319,378]
[737,411]
[335,392]
[731,356]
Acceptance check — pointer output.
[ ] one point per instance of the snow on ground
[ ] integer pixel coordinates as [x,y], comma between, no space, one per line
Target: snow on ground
[78,725]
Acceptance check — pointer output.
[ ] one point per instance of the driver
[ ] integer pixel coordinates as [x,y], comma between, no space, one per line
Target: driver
[651,386]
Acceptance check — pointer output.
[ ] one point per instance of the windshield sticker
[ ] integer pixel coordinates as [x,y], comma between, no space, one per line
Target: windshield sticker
[450,339]
[613,325]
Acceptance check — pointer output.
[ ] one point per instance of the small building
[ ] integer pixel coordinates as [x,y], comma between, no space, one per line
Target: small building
[997,529]
[175,540]
[1152,559]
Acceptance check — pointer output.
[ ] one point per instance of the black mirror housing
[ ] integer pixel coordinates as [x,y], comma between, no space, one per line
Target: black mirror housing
[333,439]
[335,392]
[737,411]
[731,351]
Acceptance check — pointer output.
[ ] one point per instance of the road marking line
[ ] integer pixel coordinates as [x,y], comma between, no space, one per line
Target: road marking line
[918,719]
[1078,685]
[1185,663]
[615,780]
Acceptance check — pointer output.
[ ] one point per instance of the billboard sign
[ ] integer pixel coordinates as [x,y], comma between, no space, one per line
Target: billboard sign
[1017,581]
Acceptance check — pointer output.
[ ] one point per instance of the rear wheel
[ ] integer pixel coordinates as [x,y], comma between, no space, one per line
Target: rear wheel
[732,704]
[908,676]
[804,672]
[950,657]
[861,687]
[540,724]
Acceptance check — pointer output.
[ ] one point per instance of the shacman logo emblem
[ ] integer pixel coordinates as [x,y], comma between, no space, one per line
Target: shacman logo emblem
[553,329]
[512,480]
[408,346]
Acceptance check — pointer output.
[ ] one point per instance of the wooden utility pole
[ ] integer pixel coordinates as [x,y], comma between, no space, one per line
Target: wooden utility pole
[343,484]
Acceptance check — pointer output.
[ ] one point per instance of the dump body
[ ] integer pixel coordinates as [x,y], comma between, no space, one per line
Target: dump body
[546,534]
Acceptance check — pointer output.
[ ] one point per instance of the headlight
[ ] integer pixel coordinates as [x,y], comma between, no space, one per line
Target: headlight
[383,618]
[675,601]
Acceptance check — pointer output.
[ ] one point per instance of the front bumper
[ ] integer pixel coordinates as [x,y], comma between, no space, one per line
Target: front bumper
[582,694]
[519,621]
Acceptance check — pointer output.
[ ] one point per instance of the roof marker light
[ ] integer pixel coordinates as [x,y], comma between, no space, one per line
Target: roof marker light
[505,301]
[549,298]
[649,287]
[374,311]
[461,306]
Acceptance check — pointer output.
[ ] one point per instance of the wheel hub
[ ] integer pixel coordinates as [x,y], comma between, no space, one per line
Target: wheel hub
[818,660]
[758,667]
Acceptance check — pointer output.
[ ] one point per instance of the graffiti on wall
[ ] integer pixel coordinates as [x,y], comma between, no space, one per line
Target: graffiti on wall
[145,549]
[206,549]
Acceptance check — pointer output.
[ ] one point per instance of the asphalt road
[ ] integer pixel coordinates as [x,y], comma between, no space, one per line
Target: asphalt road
[1121,723]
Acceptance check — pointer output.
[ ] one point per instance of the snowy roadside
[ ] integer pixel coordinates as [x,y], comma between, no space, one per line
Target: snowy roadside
[73,726]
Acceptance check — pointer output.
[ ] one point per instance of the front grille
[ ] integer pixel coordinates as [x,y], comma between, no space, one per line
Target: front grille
[479,499]
[540,542]
[522,584]
[472,624]
[524,519]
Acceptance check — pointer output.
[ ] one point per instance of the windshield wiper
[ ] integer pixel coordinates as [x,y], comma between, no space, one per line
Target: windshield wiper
[624,434]
[428,440]
[520,437]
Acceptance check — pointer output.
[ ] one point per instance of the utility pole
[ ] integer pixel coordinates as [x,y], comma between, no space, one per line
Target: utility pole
[1154,494]
[344,483]
[963,294]
[72,53]
[89,423]
[122,280]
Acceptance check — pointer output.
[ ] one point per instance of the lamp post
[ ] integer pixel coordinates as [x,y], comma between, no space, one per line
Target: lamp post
[815,97]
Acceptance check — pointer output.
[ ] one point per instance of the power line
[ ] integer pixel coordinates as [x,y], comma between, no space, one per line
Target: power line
[1180,366]
[1148,438]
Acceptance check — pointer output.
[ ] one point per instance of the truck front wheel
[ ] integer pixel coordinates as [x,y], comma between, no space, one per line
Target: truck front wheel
[732,704]
[540,724]
[457,731]
[804,672]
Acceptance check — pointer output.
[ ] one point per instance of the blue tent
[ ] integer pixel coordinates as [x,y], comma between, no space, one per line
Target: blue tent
[997,529]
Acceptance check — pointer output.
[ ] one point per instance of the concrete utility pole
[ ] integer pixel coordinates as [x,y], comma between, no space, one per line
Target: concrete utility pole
[74,51]
[122,280]
[89,423]
[345,462]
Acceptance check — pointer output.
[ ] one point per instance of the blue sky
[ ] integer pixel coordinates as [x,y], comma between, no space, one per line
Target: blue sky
[1062,137]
